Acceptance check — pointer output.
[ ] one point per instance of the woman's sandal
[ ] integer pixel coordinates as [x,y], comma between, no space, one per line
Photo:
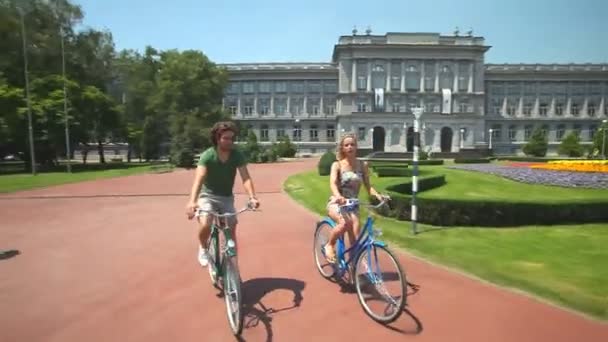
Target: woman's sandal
[330,254]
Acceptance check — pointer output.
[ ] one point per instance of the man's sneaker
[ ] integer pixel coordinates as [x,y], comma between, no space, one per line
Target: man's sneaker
[203,256]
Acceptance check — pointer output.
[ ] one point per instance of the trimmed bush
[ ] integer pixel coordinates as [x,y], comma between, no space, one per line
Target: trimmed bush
[471,160]
[451,212]
[429,162]
[393,172]
[424,184]
[324,165]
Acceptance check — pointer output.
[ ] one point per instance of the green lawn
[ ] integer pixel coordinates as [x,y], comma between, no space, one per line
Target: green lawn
[17,182]
[564,264]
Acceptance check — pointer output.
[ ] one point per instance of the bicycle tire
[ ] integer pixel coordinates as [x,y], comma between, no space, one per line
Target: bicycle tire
[231,274]
[213,255]
[316,244]
[402,276]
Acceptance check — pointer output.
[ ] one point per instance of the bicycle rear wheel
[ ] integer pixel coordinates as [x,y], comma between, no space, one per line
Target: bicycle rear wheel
[380,283]
[232,295]
[320,240]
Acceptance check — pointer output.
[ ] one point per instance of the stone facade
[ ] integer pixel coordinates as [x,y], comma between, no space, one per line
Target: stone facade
[373,81]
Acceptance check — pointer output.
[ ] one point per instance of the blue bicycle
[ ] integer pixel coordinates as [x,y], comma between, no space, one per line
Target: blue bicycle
[366,254]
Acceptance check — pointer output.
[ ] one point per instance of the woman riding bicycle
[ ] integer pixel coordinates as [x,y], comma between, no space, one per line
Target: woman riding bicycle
[347,174]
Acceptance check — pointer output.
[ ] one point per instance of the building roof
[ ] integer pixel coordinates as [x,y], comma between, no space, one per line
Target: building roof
[280,66]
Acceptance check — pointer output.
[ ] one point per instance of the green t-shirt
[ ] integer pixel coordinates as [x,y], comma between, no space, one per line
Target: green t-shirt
[220,176]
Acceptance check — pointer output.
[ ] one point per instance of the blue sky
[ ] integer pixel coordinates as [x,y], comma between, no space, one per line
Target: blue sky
[228,31]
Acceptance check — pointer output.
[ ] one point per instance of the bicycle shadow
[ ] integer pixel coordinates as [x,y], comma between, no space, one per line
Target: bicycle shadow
[255,312]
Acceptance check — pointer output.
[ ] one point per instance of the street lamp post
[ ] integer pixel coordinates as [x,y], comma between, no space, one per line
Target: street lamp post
[27,92]
[604,138]
[65,99]
[461,138]
[417,111]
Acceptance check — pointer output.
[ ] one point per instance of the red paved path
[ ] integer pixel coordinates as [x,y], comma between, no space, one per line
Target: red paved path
[124,269]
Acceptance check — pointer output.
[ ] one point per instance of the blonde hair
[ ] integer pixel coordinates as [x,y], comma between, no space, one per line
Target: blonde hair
[339,153]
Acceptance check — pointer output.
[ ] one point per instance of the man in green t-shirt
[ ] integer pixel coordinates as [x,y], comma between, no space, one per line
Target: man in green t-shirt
[215,172]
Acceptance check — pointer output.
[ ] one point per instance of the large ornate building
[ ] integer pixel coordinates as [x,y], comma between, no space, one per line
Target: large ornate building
[373,81]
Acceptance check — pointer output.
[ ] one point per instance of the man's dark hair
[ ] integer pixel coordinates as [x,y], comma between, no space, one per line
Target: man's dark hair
[220,128]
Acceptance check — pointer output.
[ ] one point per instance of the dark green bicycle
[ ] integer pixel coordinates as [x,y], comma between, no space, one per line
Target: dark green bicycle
[223,267]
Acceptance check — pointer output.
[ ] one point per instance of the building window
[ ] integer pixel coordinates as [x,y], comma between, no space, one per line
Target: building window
[331,133]
[574,109]
[528,132]
[297,133]
[512,133]
[330,87]
[362,83]
[559,109]
[264,87]
[280,87]
[577,130]
[280,106]
[412,79]
[314,87]
[329,105]
[233,88]
[361,133]
[264,106]
[264,133]
[280,131]
[559,133]
[591,109]
[396,107]
[315,110]
[314,133]
[296,106]
[511,110]
[592,131]
[248,107]
[544,130]
[496,132]
[542,110]
[464,106]
[362,107]
[297,87]
[396,83]
[233,110]
[527,109]
[248,87]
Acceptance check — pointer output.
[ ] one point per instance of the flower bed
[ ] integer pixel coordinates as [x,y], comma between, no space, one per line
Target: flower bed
[571,179]
[575,165]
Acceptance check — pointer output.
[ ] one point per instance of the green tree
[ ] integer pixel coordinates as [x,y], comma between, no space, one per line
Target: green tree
[537,146]
[570,146]
[598,140]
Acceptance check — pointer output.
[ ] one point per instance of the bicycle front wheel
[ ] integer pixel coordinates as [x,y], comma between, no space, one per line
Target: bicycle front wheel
[212,245]
[321,237]
[232,295]
[380,283]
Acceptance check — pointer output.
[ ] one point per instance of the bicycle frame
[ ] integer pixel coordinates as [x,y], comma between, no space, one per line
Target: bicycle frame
[365,240]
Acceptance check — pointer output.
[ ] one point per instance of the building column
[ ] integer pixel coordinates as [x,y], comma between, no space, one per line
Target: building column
[437,76]
[602,106]
[321,107]
[422,74]
[353,84]
[369,76]
[437,140]
[470,87]
[403,76]
[456,75]
[305,106]
[238,106]
[272,113]
[388,76]
[288,109]
[255,106]
[455,139]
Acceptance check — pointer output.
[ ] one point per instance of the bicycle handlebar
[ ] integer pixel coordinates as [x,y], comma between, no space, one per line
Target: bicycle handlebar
[248,207]
[355,201]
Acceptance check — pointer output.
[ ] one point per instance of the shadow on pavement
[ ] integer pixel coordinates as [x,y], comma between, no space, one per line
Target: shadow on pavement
[255,312]
[7,254]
